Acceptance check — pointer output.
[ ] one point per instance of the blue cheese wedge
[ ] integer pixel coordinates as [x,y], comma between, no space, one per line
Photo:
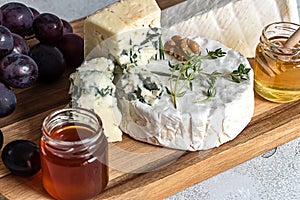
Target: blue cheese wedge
[121,25]
[191,126]
[92,88]
[130,49]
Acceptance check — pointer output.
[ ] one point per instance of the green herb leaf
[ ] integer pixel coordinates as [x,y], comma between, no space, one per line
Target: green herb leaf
[181,94]
[168,91]
[182,75]
[215,54]
[240,74]
[191,85]
[161,49]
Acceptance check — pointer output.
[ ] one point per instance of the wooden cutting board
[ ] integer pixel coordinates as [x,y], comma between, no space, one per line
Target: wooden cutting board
[139,170]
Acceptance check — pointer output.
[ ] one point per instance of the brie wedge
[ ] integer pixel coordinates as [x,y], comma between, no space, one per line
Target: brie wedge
[237,23]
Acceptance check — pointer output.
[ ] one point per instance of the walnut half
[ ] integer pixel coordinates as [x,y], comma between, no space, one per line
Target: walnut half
[180,47]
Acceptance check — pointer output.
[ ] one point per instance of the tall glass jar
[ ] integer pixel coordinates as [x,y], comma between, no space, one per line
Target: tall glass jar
[277,68]
[74,154]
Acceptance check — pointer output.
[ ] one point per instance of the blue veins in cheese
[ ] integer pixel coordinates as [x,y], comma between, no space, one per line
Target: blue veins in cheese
[130,49]
[92,88]
[139,85]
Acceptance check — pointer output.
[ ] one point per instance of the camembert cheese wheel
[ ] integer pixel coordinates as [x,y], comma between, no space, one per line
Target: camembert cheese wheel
[193,124]
[139,104]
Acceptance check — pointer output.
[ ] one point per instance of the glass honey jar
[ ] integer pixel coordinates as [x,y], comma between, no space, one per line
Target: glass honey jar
[277,67]
[73,150]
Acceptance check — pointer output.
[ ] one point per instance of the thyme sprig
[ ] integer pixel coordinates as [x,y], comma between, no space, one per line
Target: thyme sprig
[238,75]
[187,70]
[215,54]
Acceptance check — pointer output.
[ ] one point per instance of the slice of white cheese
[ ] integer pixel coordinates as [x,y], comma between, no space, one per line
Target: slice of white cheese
[120,17]
[191,126]
[237,24]
[92,88]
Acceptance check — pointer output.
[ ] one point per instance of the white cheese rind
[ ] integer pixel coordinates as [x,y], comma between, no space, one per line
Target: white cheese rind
[188,9]
[237,24]
[92,88]
[193,126]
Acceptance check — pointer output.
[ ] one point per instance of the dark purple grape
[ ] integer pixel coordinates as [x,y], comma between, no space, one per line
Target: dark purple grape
[1,139]
[17,17]
[67,28]
[34,12]
[6,41]
[21,157]
[50,62]
[8,100]
[1,16]
[71,46]
[18,70]
[20,44]
[48,28]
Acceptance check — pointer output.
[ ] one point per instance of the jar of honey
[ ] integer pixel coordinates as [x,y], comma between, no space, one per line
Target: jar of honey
[74,156]
[276,66]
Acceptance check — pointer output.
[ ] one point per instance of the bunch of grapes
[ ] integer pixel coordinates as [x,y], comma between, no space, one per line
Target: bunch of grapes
[21,66]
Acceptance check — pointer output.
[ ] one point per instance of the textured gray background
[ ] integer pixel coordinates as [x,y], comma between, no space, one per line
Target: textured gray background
[66,9]
[273,178]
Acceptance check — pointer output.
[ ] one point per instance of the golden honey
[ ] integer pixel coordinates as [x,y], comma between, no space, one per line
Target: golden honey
[73,155]
[277,68]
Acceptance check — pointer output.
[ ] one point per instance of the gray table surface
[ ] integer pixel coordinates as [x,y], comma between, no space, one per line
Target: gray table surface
[261,178]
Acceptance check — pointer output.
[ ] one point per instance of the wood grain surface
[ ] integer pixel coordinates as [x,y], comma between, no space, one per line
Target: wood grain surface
[139,170]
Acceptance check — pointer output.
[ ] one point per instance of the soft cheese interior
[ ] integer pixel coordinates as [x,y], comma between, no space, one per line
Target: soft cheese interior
[92,88]
[192,126]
